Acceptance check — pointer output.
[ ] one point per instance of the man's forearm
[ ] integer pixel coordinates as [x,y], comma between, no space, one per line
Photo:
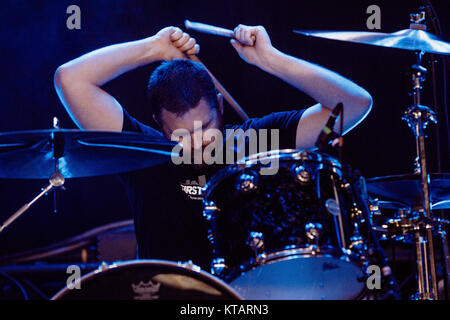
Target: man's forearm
[323,85]
[105,64]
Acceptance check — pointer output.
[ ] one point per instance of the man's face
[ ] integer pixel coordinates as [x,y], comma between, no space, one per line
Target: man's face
[203,113]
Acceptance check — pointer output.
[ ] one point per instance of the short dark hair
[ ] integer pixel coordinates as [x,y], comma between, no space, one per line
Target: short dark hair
[179,85]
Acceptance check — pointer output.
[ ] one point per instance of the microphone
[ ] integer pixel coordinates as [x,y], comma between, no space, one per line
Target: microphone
[327,134]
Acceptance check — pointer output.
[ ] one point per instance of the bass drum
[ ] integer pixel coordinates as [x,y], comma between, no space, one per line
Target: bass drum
[148,280]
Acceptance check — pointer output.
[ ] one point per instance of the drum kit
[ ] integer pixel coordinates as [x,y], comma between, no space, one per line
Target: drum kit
[311,231]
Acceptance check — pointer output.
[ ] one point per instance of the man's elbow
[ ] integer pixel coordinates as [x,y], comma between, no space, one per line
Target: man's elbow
[361,107]
[61,78]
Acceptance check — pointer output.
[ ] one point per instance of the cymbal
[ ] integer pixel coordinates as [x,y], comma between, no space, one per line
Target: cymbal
[80,153]
[407,39]
[406,189]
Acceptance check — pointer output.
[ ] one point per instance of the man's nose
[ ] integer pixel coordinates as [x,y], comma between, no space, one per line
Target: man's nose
[199,141]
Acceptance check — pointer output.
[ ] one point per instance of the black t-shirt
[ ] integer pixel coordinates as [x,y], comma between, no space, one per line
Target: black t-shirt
[166,199]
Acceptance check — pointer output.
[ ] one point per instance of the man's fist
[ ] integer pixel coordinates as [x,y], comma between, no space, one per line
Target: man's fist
[172,43]
[251,43]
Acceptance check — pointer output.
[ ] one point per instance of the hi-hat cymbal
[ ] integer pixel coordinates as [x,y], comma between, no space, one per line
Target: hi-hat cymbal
[80,153]
[408,39]
[407,189]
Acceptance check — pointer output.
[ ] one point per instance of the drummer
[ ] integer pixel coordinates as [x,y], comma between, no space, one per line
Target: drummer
[166,199]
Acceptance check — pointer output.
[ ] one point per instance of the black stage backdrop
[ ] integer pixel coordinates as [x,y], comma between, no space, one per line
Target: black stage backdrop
[35,41]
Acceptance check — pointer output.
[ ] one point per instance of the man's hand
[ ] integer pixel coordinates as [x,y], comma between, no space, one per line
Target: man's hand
[172,43]
[252,44]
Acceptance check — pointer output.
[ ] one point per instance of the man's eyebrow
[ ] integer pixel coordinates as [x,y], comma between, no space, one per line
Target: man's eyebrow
[204,125]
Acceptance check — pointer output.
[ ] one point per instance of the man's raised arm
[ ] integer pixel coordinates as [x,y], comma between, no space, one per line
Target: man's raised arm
[78,82]
[326,87]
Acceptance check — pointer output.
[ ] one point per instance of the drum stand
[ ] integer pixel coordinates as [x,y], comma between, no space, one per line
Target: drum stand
[418,116]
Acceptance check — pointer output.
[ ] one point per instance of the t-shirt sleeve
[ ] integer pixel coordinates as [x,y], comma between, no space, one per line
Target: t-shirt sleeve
[286,122]
[130,124]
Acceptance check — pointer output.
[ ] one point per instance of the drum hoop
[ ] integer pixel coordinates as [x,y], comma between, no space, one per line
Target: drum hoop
[308,252]
[297,154]
[102,269]
[293,252]
[284,154]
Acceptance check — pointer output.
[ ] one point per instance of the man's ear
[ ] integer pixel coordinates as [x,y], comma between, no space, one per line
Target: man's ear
[220,102]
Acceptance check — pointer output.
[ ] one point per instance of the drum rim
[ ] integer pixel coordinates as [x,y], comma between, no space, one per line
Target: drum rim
[290,252]
[104,268]
[310,252]
[252,160]
[288,153]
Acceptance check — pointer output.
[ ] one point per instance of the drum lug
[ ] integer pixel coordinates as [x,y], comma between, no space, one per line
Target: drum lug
[104,266]
[209,210]
[256,242]
[358,246]
[313,232]
[218,267]
[301,174]
[246,182]
[190,265]
[357,242]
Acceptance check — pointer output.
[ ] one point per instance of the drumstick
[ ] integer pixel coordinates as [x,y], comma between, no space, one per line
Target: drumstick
[206,28]
[223,91]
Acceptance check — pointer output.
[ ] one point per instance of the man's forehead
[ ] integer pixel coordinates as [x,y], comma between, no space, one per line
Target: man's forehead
[202,112]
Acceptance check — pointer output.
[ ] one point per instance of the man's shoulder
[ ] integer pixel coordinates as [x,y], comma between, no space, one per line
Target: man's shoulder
[274,120]
[131,124]
[282,126]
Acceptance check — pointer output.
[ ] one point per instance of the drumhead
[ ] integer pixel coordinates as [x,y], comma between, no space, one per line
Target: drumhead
[149,280]
[302,277]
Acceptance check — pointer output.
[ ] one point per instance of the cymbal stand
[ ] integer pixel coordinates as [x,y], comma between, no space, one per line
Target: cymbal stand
[418,116]
[446,260]
[56,180]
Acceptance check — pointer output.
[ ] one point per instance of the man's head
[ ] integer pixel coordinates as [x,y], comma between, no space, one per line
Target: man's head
[181,92]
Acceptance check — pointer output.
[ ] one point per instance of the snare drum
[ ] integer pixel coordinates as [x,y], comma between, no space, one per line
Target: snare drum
[294,234]
[148,280]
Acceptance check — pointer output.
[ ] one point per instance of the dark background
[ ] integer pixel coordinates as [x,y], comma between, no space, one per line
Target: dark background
[35,41]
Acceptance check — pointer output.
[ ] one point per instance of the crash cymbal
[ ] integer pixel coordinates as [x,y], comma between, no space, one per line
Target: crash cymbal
[406,189]
[407,39]
[80,153]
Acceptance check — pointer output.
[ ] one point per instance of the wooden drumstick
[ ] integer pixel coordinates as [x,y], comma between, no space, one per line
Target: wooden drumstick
[206,28]
[223,91]
[209,29]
